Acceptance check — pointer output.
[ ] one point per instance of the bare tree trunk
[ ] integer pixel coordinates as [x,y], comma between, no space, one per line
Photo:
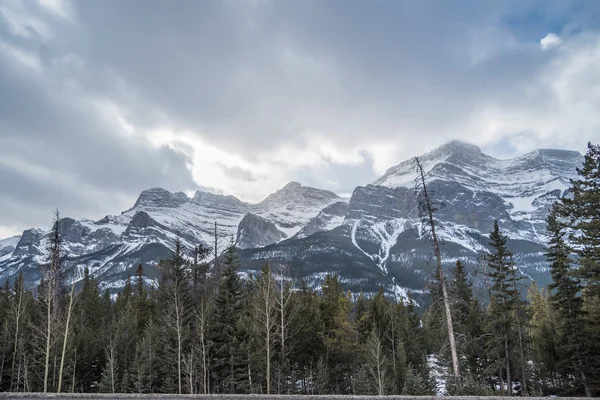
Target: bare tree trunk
[74,371]
[586,386]
[26,386]
[249,371]
[4,348]
[179,327]
[16,337]
[189,367]
[201,323]
[216,248]
[150,359]
[288,311]
[18,374]
[521,351]
[66,338]
[438,256]
[110,356]
[52,295]
[377,364]
[3,362]
[48,334]
[508,376]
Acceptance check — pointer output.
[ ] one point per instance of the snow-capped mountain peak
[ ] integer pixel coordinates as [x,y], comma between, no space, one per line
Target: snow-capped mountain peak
[373,238]
[159,197]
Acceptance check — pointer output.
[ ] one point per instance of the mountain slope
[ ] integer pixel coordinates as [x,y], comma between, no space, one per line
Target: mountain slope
[372,239]
[113,246]
[381,234]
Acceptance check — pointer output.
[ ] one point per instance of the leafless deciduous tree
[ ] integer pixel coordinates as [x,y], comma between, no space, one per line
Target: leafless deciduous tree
[265,316]
[66,336]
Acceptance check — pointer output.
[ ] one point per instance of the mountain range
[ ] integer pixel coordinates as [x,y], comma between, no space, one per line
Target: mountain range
[373,238]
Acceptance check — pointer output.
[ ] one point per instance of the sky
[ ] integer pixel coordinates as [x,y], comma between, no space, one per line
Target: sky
[100,100]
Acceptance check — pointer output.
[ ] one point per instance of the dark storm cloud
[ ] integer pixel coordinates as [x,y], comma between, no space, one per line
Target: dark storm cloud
[58,150]
[100,100]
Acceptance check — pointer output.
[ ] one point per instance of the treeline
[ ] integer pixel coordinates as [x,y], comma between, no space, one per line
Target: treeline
[203,329]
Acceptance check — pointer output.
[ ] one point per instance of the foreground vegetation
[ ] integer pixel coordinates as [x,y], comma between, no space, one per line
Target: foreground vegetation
[205,330]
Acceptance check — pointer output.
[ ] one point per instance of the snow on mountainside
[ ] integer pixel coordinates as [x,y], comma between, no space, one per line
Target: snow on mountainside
[112,246]
[527,184]
[380,240]
[8,245]
[372,239]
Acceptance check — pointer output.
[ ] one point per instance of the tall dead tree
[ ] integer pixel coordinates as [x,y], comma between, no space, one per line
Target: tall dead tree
[51,292]
[426,210]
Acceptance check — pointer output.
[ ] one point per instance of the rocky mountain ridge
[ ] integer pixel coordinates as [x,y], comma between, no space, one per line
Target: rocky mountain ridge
[373,238]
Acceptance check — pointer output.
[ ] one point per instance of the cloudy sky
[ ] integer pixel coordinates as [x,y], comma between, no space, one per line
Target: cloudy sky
[102,99]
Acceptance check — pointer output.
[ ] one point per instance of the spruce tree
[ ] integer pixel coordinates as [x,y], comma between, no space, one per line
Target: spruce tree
[545,340]
[90,335]
[49,296]
[566,300]
[176,313]
[468,327]
[500,269]
[584,214]
[228,358]
[338,335]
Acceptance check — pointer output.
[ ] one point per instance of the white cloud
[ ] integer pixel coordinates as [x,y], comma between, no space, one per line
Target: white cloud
[251,106]
[61,8]
[550,40]
[24,57]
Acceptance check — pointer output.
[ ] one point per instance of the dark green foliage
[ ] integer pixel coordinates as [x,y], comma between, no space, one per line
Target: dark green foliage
[504,308]
[468,327]
[581,215]
[566,302]
[228,352]
[195,331]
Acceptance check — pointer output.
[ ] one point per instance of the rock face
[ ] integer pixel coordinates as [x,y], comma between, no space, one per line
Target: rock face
[8,245]
[375,238]
[381,241]
[113,246]
[329,218]
[254,231]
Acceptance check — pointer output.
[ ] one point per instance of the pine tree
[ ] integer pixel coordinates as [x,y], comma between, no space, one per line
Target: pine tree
[468,326]
[228,365]
[584,214]
[418,383]
[338,334]
[503,303]
[50,298]
[308,343]
[565,299]
[544,334]
[146,368]
[176,313]
[90,332]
